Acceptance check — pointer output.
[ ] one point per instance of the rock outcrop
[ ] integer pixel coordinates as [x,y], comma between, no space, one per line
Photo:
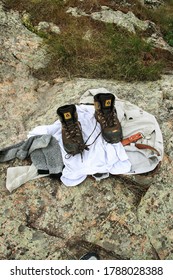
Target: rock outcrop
[129,22]
[119,217]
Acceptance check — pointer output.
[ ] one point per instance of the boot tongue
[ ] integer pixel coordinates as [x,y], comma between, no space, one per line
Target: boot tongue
[106,104]
[68,117]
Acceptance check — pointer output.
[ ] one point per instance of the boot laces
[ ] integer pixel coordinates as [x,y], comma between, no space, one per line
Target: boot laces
[81,146]
[108,120]
[72,131]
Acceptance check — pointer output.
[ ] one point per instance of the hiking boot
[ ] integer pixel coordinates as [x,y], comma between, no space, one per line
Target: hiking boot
[105,114]
[71,130]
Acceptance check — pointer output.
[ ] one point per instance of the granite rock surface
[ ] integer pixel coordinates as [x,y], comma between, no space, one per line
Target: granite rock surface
[118,217]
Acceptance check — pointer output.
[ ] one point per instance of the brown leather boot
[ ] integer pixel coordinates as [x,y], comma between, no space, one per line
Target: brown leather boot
[105,114]
[71,130]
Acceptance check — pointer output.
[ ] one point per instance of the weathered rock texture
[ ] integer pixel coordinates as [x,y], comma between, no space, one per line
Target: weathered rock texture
[119,217]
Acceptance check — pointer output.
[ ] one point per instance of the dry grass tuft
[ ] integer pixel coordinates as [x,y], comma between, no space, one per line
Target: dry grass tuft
[92,49]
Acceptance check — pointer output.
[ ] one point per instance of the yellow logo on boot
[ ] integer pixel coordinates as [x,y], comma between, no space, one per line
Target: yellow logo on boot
[108,103]
[67,116]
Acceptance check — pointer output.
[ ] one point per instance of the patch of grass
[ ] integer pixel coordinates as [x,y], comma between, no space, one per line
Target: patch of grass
[130,57]
[40,10]
[163,17]
[71,54]
[169,35]
[109,52]
[89,6]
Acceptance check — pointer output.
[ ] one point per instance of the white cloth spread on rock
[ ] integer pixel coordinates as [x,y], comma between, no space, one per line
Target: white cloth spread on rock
[101,157]
[134,120]
[19,175]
